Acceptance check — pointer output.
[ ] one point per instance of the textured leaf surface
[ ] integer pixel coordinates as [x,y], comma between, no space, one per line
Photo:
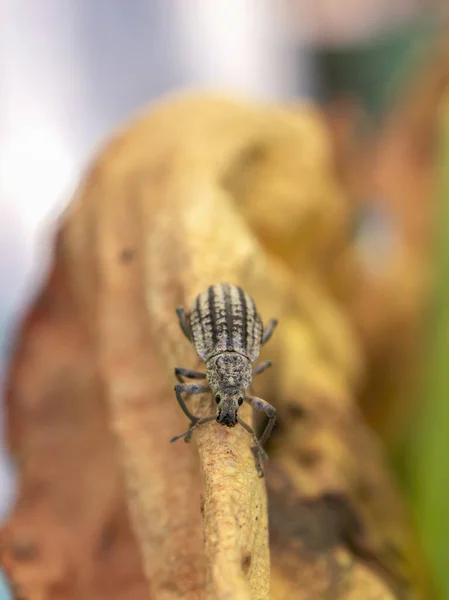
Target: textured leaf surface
[201,190]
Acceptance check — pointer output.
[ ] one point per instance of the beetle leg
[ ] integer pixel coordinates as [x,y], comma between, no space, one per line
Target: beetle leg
[266,408]
[268,330]
[193,425]
[180,372]
[257,450]
[183,323]
[189,388]
[260,368]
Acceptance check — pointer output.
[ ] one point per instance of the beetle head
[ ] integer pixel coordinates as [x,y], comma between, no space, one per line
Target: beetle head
[228,404]
[229,376]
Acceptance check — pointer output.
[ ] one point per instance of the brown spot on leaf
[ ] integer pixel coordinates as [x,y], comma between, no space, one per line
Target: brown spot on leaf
[246,563]
[314,525]
[127,254]
[23,548]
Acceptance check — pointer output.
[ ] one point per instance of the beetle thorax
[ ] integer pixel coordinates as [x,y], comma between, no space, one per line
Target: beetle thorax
[229,371]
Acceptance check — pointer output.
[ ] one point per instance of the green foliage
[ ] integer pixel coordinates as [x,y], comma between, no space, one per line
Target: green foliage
[429,468]
[376,69]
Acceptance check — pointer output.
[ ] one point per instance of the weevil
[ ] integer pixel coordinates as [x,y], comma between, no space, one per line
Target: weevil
[227,333]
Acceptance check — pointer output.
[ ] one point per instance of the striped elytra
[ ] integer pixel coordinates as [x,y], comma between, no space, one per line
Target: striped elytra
[224,318]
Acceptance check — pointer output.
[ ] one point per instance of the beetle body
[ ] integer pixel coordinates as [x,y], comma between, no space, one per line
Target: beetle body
[227,333]
[225,319]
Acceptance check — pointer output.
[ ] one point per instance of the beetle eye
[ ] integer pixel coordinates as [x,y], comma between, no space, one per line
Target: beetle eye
[240,401]
[217,398]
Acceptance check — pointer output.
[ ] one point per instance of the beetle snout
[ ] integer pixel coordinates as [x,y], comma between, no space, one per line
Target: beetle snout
[227,419]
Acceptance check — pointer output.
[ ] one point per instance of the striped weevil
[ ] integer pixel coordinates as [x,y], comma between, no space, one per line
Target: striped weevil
[227,334]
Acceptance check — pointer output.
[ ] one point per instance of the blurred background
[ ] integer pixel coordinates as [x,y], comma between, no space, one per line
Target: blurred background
[70,72]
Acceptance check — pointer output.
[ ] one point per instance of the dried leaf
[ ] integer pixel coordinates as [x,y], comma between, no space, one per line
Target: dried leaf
[203,190]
